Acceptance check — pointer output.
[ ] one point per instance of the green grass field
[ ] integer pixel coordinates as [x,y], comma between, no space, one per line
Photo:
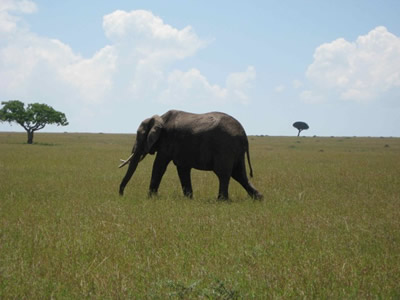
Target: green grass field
[329,225]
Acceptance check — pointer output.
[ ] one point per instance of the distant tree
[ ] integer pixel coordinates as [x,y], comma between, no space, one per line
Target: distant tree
[32,118]
[300,126]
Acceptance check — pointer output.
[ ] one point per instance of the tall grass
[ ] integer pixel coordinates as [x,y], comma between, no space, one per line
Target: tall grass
[329,226]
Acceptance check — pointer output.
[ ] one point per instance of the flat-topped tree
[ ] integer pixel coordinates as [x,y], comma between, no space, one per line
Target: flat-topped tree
[300,126]
[33,117]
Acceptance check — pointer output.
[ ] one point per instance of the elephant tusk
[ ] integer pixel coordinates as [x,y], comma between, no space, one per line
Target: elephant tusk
[125,162]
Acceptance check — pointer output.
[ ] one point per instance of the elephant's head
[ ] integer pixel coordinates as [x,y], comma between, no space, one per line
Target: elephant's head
[147,136]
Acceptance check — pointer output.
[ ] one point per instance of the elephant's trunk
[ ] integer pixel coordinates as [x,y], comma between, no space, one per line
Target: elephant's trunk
[133,161]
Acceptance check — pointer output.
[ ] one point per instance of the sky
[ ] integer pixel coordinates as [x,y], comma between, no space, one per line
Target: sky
[108,65]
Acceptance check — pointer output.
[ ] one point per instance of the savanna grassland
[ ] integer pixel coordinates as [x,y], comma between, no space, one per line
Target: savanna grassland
[329,225]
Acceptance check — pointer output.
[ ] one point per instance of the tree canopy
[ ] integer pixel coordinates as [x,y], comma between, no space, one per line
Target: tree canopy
[300,126]
[33,117]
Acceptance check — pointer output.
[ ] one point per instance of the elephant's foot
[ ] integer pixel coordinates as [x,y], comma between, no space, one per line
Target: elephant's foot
[257,196]
[187,192]
[152,193]
[223,197]
[188,195]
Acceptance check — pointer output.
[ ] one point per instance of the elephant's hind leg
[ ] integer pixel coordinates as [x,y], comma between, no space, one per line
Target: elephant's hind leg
[186,182]
[223,188]
[224,178]
[239,174]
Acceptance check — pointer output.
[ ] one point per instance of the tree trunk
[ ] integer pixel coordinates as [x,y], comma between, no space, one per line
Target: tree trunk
[30,137]
[299,132]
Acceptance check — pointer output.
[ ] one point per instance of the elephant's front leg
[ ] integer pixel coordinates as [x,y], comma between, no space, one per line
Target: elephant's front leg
[159,167]
[184,176]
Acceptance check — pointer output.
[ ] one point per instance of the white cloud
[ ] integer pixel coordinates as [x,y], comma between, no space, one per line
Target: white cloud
[8,22]
[24,6]
[363,70]
[190,86]
[135,66]
[28,62]
[146,46]
[239,83]
[194,87]
[149,35]
[92,77]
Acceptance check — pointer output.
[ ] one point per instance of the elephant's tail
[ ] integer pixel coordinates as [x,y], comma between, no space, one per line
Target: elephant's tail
[248,160]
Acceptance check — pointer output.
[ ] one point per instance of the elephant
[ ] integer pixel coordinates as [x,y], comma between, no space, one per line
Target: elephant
[212,141]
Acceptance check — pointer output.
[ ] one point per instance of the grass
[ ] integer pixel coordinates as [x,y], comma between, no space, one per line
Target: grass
[329,226]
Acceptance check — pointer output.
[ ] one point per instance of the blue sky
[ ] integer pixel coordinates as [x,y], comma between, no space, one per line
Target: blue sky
[111,64]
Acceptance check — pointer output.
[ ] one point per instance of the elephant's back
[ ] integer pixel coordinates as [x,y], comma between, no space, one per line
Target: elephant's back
[215,127]
[230,125]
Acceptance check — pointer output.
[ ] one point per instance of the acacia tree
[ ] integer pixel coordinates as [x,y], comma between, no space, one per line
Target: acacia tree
[300,126]
[32,118]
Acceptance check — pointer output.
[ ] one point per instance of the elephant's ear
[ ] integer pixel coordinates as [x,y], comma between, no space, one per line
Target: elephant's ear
[154,133]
